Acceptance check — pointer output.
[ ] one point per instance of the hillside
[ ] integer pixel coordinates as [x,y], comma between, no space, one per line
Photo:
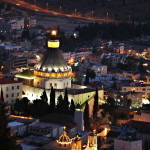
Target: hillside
[116,9]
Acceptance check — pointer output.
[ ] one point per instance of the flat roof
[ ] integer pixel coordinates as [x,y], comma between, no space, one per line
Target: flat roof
[45,125]
[14,124]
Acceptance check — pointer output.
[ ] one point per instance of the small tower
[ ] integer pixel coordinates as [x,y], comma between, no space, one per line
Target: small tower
[78,118]
[76,143]
[92,141]
[64,140]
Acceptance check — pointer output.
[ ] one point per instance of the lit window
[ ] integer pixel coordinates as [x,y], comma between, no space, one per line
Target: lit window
[51,85]
[7,89]
[55,85]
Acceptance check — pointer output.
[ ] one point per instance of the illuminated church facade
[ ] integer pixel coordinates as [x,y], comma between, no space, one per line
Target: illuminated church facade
[53,71]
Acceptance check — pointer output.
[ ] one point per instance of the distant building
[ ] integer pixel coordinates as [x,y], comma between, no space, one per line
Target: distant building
[142,88]
[99,69]
[143,132]
[131,74]
[122,98]
[127,144]
[142,116]
[19,62]
[30,22]
[17,128]
[17,23]
[95,58]
[42,128]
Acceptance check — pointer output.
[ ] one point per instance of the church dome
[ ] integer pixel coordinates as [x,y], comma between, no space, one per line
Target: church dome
[64,139]
[53,64]
[53,61]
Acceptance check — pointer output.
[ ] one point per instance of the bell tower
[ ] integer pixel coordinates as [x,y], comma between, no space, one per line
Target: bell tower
[92,141]
[76,143]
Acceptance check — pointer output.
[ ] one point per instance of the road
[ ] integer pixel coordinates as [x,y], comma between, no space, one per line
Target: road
[32,7]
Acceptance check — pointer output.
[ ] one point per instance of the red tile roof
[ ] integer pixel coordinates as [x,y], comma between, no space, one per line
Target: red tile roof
[8,81]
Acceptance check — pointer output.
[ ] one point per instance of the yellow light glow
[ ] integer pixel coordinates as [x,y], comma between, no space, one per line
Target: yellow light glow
[21,117]
[53,44]
[145,64]
[71,61]
[19,76]
[54,32]
[54,75]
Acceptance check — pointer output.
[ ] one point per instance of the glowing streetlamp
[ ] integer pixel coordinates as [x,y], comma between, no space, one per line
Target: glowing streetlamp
[60,8]
[92,12]
[54,32]
[47,5]
[75,11]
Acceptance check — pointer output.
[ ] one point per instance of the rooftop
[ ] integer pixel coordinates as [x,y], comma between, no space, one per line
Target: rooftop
[14,124]
[142,127]
[45,125]
[8,81]
[66,120]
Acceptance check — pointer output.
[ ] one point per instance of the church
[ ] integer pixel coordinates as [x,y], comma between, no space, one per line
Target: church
[53,71]
[64,142]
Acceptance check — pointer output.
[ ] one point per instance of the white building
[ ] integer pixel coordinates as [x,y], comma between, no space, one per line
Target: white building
[99,69]
[17,128]
[17,23]
[11,89]
[123,144]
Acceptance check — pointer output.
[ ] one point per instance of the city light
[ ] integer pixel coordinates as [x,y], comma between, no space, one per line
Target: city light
[54,32]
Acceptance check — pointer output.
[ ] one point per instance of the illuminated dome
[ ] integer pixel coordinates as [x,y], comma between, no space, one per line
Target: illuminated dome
[64,139]
[52,70]
[53,64]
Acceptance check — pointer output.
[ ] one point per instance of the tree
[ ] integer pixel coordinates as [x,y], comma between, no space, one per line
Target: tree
[60,104]
[25,105]
[66,102]
[18,106]
[39,108]
[110,101]
[129,102]
[92,74]
[72,107]
[52,100]
[25,34]
[87,77]
[86,117]
[7,141]
[95,106]
[44,96]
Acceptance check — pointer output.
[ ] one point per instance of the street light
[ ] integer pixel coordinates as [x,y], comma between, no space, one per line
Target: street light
[47,5]
[92,12]
[107,14]
[75,11]
[60,9]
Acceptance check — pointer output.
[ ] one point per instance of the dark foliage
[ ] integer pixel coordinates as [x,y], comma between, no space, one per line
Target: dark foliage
[121,31]
[86,117]
[52,100]
[95,106]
